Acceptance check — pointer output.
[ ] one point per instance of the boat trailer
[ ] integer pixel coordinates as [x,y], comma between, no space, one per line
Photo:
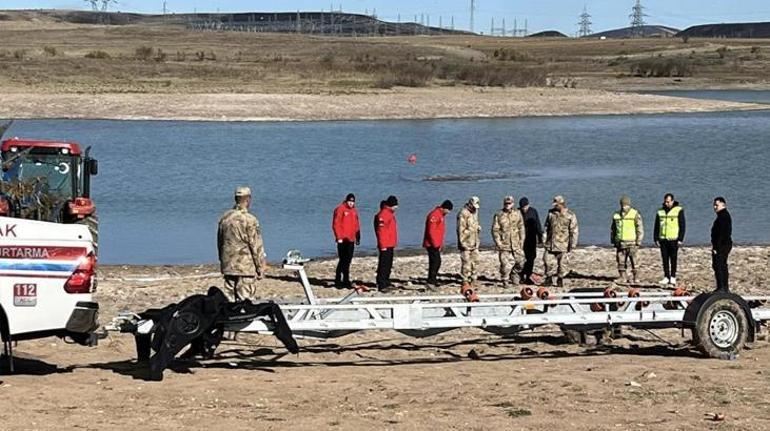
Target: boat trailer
[720,322]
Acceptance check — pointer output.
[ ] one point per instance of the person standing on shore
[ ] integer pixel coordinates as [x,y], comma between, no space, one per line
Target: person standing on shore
[347,233]
[721,243]
[508,233]
[433,240]
[561,238]
[533,235]
[469,239]
[386,230]
[669,234]
[240,247]
[626,234]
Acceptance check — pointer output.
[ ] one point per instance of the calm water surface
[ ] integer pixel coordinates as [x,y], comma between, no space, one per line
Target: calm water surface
[749,96]
[163,185]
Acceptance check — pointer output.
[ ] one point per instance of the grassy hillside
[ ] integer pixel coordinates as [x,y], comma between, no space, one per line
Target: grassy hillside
[48,56]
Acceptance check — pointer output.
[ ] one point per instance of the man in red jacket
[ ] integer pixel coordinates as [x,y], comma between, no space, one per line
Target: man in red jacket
[433,240]
[386,229]
[347,233]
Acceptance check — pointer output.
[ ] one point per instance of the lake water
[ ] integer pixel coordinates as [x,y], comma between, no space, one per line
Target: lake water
[163,185]
[749,96]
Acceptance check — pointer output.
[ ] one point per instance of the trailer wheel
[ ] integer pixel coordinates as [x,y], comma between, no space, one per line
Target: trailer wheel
[92,222]
[721,329]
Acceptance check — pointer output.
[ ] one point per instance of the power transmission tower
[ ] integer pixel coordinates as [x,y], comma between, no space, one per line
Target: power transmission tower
[585,23]
[473,12]
[637,19]
[106,4]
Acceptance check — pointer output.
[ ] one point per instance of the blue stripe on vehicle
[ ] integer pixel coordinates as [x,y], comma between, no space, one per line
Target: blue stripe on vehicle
[39,266]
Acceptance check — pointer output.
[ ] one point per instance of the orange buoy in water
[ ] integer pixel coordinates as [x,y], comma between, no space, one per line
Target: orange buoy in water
[412,159]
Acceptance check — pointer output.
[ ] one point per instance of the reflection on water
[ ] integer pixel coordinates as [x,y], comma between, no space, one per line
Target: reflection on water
[163,185]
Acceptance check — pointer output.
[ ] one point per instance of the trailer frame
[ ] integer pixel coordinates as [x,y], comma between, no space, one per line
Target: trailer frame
[721,322]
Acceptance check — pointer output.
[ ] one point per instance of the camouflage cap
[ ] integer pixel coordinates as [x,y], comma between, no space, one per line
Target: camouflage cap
[559,200]
[508,200]
[242,191]
[475,201]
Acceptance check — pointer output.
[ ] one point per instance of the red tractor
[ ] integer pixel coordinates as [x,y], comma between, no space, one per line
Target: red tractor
[48,181]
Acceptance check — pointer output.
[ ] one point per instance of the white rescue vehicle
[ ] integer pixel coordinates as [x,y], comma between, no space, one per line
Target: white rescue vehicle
[47,280]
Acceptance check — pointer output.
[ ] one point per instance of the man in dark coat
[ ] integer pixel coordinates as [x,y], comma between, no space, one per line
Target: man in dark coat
[532,237]
[721,243]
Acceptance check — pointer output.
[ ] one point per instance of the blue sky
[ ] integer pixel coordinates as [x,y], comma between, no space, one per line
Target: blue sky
[561,15]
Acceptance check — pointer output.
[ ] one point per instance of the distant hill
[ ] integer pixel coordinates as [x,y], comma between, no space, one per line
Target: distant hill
[746,30]
[647,31]
[548,33]
[280,22]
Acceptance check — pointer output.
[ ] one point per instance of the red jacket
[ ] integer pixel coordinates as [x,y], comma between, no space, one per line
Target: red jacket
[345,223]
[434,229]
[386,228]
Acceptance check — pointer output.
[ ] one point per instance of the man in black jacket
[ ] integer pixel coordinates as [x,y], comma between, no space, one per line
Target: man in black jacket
[669,235]
[533,235]
[721,242]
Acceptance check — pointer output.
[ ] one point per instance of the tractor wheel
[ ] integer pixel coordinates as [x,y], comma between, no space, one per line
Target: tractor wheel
[721,329]
[92,222]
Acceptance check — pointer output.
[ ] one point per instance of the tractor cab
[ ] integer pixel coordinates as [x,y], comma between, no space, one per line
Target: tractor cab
[46,180]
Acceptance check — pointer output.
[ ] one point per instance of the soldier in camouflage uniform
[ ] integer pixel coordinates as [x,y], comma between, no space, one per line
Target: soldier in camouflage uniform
[241,251]
[469,239]
[508,233]
[561,237]
[626,234]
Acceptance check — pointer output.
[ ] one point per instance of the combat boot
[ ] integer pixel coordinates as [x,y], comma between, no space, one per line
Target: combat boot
[548,282]
[633,276]
[559,282]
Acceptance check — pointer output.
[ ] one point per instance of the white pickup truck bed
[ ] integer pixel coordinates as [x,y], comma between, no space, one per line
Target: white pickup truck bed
[47,278]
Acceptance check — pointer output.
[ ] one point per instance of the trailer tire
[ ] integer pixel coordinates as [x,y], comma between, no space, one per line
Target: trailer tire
[721,329]
[92,222]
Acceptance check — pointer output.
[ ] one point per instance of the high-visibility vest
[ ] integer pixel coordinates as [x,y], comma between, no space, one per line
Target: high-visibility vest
[625,226]
[669,223]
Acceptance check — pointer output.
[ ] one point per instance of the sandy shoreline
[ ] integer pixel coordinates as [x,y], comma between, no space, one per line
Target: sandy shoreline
[464,379]
[429,103]
[150,286]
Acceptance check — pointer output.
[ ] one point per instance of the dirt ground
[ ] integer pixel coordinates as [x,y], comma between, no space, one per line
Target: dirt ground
[465,379]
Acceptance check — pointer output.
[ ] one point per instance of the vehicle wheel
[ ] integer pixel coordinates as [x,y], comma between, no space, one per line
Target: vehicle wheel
[721,329]
[92,222]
